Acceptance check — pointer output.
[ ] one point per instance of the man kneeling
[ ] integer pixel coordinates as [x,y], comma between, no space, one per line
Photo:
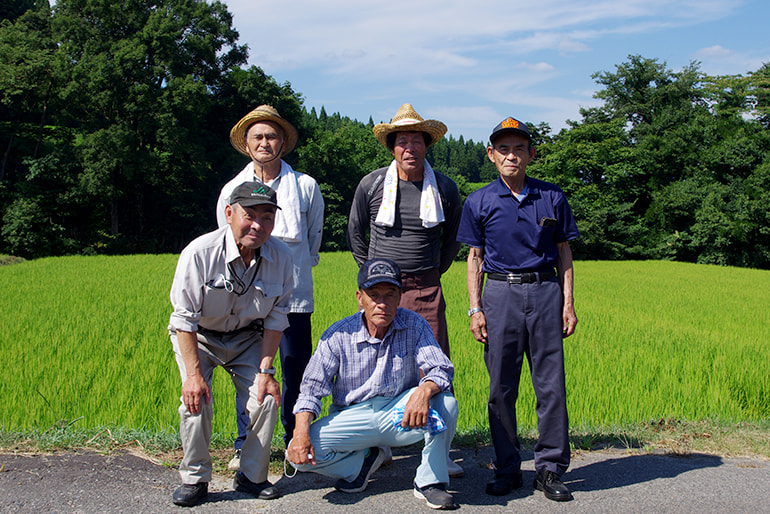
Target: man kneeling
[371,364]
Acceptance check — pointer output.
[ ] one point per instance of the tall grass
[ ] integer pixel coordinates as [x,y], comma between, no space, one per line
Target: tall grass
[83,340]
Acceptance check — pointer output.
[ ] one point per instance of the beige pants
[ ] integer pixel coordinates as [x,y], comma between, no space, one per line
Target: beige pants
[240,355]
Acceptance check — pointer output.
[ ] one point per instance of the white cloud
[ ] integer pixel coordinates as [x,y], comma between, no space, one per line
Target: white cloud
[467,63]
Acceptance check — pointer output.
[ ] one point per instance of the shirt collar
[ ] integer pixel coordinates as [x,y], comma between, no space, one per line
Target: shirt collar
[361,334]
[502,190]
[232,253]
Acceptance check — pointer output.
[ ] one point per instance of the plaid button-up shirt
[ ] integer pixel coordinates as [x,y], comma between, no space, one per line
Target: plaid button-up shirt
[353,366]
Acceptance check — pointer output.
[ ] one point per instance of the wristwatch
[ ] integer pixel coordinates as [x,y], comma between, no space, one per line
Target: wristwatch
[267,371]
[474,310]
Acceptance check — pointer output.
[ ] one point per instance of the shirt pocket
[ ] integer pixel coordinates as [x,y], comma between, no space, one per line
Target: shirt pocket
[545,237]
[216,302]
[269,288]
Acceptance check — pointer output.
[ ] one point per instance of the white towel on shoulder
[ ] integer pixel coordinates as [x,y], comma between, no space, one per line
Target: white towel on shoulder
[431,211]
[287,223]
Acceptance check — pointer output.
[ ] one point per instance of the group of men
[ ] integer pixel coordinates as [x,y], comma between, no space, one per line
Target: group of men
[245,290]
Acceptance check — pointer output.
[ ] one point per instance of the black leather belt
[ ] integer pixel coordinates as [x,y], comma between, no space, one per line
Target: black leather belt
[257,326]
[522,278]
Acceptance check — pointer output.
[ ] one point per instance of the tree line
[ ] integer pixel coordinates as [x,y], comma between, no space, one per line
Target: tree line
[115,119]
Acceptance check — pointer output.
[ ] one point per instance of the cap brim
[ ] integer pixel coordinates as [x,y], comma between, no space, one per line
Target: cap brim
[246,203]
[379,280]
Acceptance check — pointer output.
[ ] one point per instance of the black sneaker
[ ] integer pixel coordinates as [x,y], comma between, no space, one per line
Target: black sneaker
[263,490]
[189,495]
[436,497]
[504,483]
[372,462]
[552,486]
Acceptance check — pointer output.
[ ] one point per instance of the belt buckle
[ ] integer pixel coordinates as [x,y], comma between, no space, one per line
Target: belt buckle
[513,278]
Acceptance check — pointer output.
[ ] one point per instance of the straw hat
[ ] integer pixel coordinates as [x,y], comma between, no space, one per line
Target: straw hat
[262,113]
[407,120]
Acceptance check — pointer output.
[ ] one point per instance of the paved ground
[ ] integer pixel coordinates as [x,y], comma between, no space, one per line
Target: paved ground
[601,481]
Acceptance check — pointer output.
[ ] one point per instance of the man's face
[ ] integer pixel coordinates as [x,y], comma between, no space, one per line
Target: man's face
[379,304]
[264,141]
[409,151]
[511,153]
[251,226]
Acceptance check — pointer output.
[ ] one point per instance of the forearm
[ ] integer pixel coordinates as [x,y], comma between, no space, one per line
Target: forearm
[188,347]
[566,272]
[302,421]
[271,339]
[429,389]
[475,278]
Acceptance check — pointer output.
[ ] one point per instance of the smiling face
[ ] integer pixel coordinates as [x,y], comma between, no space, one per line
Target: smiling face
[264,141]
[379,304]
[409,150]
[251,226]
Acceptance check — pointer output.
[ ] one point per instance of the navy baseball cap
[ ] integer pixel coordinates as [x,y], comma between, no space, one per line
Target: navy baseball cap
[376,271]
[250,194]
[510,125]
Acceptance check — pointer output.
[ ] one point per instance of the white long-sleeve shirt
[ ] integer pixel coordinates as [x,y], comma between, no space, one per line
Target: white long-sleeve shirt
[311,217]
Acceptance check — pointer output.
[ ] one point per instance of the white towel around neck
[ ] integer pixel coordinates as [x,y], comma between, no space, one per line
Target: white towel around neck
[431,211]
[287,223]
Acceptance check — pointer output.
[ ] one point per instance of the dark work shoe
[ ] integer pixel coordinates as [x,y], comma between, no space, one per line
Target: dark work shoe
[189,495]
[263,490]
[436,497]
[504,483]
[552,486]
[372,462]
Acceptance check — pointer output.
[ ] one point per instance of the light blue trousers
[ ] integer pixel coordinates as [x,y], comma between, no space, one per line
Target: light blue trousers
[340,440]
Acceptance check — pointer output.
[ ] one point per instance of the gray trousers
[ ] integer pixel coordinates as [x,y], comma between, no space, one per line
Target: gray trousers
[526,320]
[239,354]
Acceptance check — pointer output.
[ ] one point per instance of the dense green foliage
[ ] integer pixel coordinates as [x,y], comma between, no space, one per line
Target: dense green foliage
[85,338]
[115,116]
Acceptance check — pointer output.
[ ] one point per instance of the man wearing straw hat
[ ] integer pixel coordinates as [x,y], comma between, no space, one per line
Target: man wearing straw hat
[410,213]
[265,137]
[519,230]
[230,295]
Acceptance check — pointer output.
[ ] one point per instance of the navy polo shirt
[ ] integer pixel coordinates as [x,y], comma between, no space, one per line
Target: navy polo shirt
[511,233]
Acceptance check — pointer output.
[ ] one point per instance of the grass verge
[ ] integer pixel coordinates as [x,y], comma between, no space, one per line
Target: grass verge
[664,436]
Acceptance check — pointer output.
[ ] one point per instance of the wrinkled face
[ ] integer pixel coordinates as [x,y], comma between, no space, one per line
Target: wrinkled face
[264,141]
[379,304]
[409,151]
[511,153]
[251,226]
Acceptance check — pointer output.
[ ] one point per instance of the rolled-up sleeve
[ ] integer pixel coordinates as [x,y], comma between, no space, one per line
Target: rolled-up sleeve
[432,361]
[187,293]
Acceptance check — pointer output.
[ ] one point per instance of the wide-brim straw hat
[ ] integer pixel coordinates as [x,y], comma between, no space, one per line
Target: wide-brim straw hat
[262,113]
[407,120]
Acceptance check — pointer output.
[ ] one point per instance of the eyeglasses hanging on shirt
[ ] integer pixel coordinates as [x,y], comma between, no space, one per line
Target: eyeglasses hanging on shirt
[234,284]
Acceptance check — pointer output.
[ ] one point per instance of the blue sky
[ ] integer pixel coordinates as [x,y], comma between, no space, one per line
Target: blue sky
[471,64]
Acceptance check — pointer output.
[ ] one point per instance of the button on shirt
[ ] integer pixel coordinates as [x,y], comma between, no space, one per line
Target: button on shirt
[215,289]
[354,366]
[510,232]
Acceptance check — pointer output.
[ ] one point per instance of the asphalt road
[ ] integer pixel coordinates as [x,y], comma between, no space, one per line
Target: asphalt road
[601,481]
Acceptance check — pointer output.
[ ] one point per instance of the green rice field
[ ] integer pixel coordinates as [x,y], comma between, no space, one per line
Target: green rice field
[84,340]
